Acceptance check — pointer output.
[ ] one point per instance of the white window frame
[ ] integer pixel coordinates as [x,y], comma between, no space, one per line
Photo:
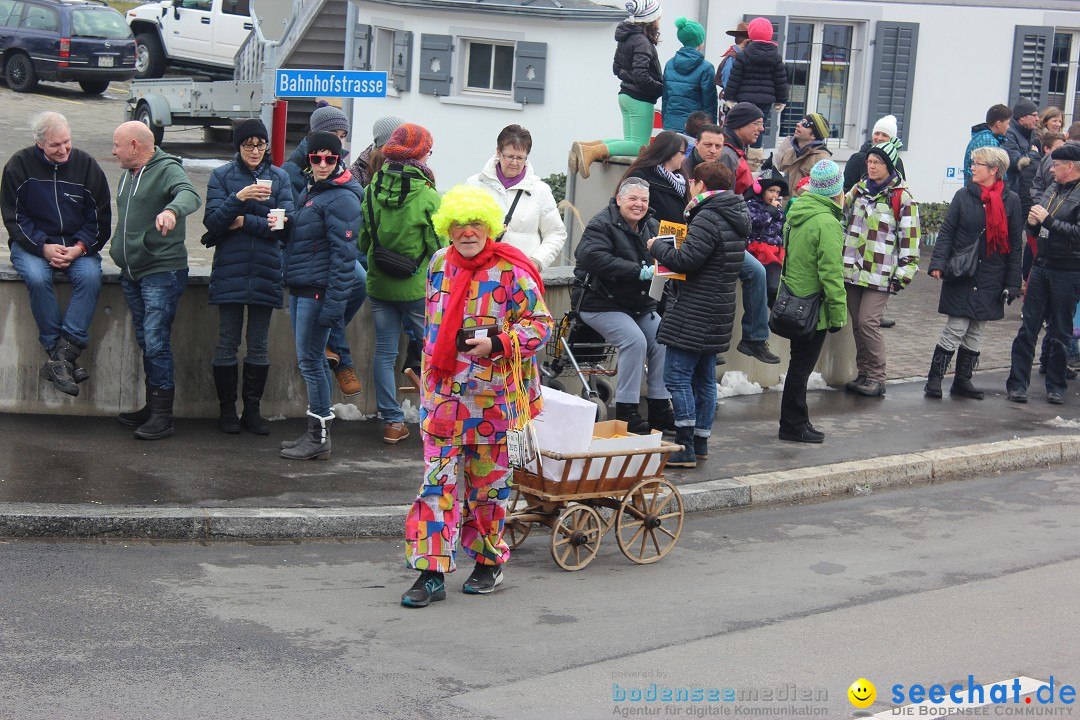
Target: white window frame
[465,44]
[853,96]
[1071,108]
[382,49]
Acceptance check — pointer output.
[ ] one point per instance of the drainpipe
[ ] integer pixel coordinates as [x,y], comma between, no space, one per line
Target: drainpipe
[703,15]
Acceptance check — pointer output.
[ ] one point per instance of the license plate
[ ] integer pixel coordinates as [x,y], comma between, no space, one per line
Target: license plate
[106,61]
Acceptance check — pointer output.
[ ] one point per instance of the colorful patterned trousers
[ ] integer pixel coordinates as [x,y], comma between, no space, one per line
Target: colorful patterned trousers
[435,519]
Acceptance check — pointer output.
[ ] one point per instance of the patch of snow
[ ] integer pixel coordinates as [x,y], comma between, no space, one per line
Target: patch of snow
[348,411]
[815,382]
[1062,423]
[276,418]
[412,412]
[736,383]
[208,163]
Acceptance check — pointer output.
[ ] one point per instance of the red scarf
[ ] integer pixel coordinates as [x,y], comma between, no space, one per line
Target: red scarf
[444,357]
[997,225]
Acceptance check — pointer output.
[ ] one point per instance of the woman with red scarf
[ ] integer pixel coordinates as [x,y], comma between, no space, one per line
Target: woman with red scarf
[987,215]
[488,297]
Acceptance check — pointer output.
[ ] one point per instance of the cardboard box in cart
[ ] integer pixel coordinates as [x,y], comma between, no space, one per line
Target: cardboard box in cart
[611,436]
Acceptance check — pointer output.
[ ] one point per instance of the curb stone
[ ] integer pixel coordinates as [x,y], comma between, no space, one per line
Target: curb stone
[41,520]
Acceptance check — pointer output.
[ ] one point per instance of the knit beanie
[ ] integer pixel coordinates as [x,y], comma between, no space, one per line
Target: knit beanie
[384,127]
[886,125]
[329,119]
[742,114]
[888,151]
[643,11]
[252,128]
[819,125]
[760,30]
[690,33]
[1024,107]
[826,179]
[408,142]
[317,141]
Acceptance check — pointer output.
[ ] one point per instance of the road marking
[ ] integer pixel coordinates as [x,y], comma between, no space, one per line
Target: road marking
[73,102]
[930,711]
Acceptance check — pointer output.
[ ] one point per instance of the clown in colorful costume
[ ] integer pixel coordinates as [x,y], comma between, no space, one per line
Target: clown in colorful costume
[463,415]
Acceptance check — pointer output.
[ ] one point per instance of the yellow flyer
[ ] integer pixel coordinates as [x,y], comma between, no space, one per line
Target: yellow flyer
[674,233]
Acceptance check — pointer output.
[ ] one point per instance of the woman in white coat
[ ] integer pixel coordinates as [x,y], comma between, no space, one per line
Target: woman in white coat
[534,226]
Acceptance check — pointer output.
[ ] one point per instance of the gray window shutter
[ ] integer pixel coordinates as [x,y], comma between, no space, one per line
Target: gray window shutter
[402,66]
[1031,63]
[530,72]
[779,23]
[361,59]
[893,74]
[435,63]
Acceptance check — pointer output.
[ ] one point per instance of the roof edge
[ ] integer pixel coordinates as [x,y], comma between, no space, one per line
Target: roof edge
[599,14]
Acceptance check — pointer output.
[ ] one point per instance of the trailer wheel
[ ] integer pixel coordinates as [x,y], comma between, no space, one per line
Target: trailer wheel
[143,115]
[149,57]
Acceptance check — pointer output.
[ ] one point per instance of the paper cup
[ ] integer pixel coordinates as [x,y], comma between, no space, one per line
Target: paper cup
[278,215]
[262,182]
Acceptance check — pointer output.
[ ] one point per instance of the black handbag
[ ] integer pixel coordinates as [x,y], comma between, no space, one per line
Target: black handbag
[964,264]
[392,263]
[794,317]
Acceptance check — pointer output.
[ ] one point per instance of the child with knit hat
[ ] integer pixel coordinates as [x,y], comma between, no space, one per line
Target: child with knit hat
[467,394]
[814,262]
[764,200]
[759,76]
[688,78]
[797,154]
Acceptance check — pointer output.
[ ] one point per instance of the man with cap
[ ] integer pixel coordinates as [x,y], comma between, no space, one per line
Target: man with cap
[742,128]
[246,274]
[815,242]
[1054,277]
[805,148]
[727,60]
[855,168]
[688,78]
[1020,141]
[988,134]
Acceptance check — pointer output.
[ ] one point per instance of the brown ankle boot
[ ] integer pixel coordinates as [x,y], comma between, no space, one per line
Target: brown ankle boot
[584,154]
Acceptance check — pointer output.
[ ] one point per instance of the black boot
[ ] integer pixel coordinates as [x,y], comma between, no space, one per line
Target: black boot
[135,418]
[254,384]
[966,362]
[315,445]
[685,458]
[939,365]
[628,413]
[225,377]
[59,366]
[159,425]
[661,416]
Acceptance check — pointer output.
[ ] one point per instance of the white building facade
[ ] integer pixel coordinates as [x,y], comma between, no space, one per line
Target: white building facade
[466,69]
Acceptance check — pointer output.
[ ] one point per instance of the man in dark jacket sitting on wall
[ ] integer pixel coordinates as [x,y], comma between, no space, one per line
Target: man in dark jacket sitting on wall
[55,203]
[1055,275]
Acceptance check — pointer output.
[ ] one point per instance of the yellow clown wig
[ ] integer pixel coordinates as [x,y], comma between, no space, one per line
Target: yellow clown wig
[464,204]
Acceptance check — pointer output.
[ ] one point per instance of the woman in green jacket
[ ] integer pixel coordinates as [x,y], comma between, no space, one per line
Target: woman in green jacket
[814,241]
[399,240]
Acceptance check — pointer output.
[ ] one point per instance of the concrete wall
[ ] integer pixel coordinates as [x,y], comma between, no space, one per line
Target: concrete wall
[114,361]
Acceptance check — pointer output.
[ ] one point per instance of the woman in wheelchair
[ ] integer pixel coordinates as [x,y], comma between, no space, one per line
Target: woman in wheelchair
[616,301]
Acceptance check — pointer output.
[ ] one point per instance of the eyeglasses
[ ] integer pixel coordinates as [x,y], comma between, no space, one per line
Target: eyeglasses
[514,158]
[979,164]
[331,160]
[249,146]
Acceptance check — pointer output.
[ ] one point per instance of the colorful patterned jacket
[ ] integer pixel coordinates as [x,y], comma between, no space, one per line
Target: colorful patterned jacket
[470,407]
[875,249]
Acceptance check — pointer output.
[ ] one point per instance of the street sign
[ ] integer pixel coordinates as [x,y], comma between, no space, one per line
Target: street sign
[330,83]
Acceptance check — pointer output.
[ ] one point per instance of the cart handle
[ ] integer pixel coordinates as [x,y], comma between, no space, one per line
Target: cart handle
[665,447]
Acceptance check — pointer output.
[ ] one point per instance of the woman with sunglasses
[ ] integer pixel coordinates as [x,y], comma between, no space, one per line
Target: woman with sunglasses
[319,258]
[246,271]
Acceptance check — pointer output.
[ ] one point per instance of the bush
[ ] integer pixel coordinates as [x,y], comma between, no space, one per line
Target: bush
[557,183]
[931,215]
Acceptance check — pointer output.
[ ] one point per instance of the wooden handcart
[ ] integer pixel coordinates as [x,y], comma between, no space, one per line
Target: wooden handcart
[646,511]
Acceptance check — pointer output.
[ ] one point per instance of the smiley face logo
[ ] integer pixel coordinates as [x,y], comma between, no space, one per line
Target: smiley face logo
[862,693]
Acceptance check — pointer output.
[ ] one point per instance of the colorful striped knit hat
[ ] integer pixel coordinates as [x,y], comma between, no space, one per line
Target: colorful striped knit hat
[408,142]
[888,151]
[826,179]
[643,11]
[819,124]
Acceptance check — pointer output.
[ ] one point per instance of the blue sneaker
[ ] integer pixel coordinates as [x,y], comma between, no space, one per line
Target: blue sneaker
[428,588]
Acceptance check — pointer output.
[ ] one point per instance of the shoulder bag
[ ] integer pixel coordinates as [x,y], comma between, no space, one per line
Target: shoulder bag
[964,264]
[794,317]
[393,264]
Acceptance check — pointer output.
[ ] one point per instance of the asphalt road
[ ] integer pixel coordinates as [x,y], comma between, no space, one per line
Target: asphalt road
[925,585]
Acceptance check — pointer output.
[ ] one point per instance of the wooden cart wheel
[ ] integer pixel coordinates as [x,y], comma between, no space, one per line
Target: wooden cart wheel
[650,521]
[515,531]
[608,509]
[575,537]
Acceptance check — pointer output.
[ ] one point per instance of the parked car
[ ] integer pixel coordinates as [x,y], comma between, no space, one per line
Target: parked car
[195,35]
[83,41]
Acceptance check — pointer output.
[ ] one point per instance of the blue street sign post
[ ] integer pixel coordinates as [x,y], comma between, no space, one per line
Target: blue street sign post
[330,83]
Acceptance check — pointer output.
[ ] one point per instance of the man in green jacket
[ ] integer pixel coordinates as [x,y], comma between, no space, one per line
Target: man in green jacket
[814,263]
[152,200]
